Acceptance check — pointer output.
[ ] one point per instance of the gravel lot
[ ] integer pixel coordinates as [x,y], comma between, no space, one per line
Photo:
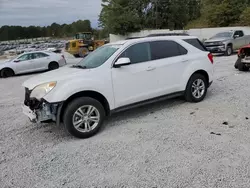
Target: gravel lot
[162,145]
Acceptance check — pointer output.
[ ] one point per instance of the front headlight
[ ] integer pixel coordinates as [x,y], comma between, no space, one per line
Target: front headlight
[220,43]
[41,90]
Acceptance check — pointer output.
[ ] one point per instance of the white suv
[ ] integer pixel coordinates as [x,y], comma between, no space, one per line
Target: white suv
[119,76]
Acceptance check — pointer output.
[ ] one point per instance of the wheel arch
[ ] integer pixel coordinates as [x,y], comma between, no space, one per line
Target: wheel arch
[89,93]
[53,62]
[202,72]
[230,44]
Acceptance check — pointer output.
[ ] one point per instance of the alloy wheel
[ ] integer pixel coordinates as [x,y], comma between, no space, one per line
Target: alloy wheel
[86,118]
[198,88]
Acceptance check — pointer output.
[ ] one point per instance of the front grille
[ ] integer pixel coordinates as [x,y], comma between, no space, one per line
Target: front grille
[212,44]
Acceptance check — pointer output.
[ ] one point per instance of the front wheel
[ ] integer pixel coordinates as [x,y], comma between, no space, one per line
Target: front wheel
[83,52]
[196,89]
[5,73]
[84,117]
[229,51]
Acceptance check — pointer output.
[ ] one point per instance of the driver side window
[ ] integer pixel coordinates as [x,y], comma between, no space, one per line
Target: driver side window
[25,57]
[138,53]
[238,33]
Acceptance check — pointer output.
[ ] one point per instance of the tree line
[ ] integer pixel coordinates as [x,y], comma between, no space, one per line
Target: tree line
[54,30]
[123,16]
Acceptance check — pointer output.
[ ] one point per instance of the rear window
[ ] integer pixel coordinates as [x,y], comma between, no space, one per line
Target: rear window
[196,43]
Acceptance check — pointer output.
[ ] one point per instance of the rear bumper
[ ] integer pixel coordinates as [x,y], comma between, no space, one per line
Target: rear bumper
[62,62]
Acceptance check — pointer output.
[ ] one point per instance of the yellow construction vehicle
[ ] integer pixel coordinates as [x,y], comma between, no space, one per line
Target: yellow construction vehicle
[82,44]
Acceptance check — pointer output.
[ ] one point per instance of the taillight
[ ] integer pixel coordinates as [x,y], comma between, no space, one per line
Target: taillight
[63,57]
[211,57]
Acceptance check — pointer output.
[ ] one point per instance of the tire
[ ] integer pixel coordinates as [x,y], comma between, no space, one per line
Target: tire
[237,63]
[229,50]
[83,52]
[7,72]
[190,96]
[74,111]
[242,67]
[53,66]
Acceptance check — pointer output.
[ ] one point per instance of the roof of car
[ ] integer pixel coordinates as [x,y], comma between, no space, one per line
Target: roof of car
[38,51]
[153,38]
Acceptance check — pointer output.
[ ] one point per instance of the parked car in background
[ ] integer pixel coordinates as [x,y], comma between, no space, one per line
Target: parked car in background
[32,62]
[227,42]
[118,76]
[243,61]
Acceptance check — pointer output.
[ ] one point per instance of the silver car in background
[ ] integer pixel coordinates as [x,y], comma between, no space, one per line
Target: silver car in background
[32,62]
[227,42]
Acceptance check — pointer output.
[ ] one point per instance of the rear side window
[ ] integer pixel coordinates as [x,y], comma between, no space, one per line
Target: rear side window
[166,49]
[39,55]
[196,43]
[138,53]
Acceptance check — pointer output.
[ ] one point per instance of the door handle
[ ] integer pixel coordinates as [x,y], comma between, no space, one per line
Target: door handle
[150,68]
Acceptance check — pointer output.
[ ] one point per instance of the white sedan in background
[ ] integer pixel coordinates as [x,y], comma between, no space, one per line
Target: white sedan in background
[32,62]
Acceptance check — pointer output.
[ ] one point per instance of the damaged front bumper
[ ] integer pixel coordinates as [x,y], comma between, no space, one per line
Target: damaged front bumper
[41,110]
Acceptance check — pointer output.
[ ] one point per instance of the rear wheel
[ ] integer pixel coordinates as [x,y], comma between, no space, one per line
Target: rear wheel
[196,89]
[237,63]
[242,67]
[83,52]
[84,117]
[53,66]
[7,72]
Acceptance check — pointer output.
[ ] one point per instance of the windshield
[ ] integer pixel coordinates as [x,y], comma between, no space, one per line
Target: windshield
[85,36]
[99,56]
[223,34]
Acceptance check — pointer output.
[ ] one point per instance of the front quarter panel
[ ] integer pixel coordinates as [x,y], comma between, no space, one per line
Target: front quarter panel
[10,65]
[64,90]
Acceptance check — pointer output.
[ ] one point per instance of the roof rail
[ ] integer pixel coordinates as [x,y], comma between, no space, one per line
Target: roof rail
[167,34]
[129,38]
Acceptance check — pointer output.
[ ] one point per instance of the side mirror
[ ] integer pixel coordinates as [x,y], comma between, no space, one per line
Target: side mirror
[236,36]
[122,62]
[16,60]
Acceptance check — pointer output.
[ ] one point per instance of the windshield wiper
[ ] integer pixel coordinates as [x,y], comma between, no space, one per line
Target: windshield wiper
[79,66]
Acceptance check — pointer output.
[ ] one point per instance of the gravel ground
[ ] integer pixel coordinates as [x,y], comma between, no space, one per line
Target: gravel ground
[168,144]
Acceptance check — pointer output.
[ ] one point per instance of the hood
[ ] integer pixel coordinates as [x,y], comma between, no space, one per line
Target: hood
[219,39]
[62,74]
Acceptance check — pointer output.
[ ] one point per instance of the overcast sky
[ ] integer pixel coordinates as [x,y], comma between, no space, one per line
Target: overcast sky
[45,12]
